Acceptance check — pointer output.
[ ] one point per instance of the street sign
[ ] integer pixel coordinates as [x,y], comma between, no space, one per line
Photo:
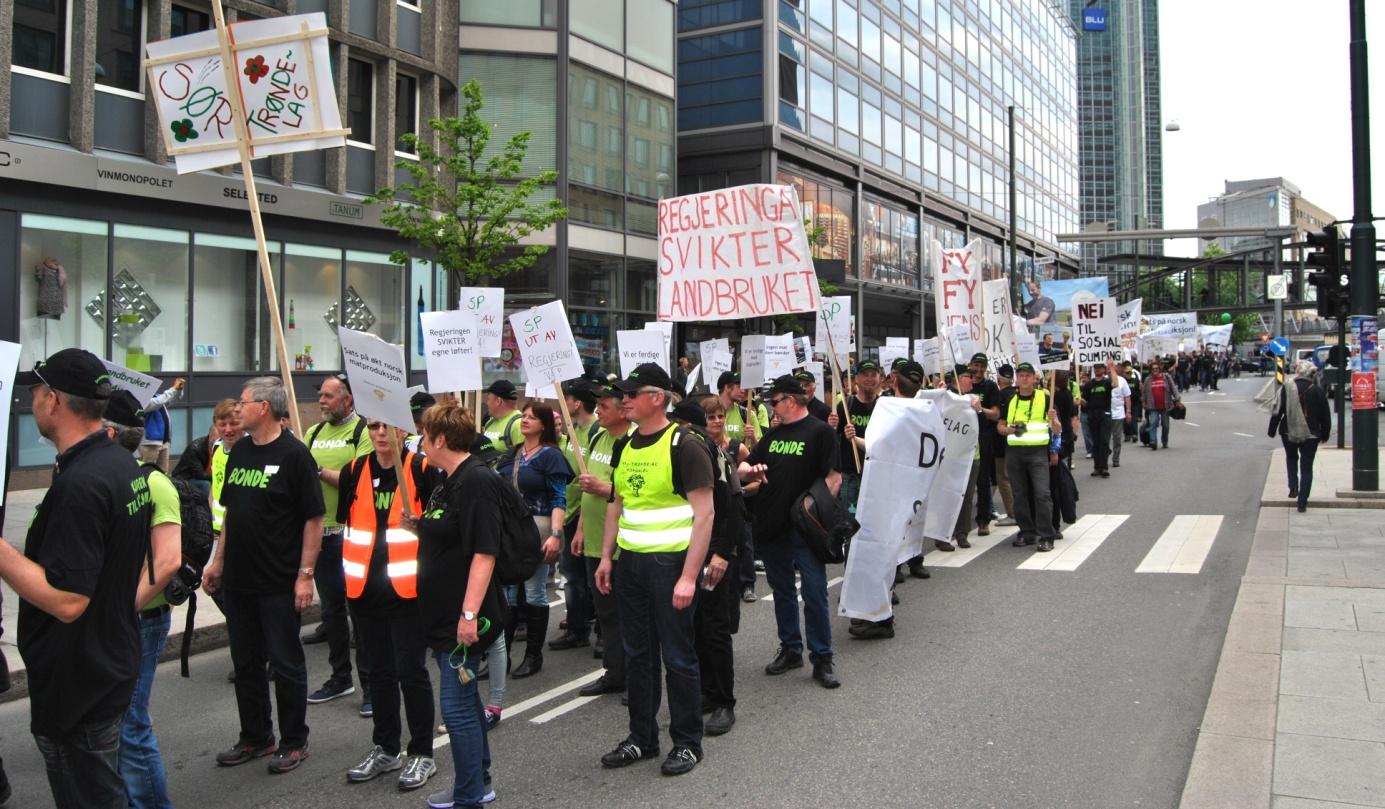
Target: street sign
[1277,287]
[1279,346]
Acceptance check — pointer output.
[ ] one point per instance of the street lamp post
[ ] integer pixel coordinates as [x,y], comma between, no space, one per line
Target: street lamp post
[1014,217]
[1365,291]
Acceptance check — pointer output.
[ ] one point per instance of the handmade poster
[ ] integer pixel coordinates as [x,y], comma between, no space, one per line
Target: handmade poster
[666,329]
[1096,330]
[734,253]
[999,342]
[834,319]
[780,357]
[752,361]
[928,353]
[638,346]
[719,363]
[451,346]
[546,344]
[379,381]
[143,386]
[706,347]
[889,353]
[488,304]
[957,284]
[960,345]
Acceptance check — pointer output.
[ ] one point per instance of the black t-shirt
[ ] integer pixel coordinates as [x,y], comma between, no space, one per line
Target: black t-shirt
[1067,411]
[1003,397]
[90,535]
[694,463]
[859,412]
[460,520]
[989,393]
[796,454]
[378,596]
[271,490]
[1097,396]
[818,409]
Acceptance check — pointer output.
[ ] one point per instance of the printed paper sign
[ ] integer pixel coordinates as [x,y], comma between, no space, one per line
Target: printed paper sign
[451,346]
[834,326]
[706,348]
[803,351]
[734,253]
[752,361]
[488,304]
[901,342]
[283,90]
[779,356]
[1096,330]
[665,328]
[718,364]
[888,354]
[999,343]
[638,346]
[1027,349]
[960,345]
[1053,350]
[9,364]
[928,353]
[815,368]
[1129,316]
[957,283]
[378,378]
[143,386]
[546,345]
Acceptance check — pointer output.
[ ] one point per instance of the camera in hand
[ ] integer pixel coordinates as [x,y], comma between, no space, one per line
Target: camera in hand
[1019,428]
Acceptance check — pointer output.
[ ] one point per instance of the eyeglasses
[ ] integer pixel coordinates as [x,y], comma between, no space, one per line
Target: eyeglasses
[631,394]
[242,403]
[375,425]
[776,400]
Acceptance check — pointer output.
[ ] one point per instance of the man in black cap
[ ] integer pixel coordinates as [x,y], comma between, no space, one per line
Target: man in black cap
[502,428]
[788,460]
[988,414]
[660,516]
[850,420]
[1030,420]
[816,407]
[419,402]
[77,580]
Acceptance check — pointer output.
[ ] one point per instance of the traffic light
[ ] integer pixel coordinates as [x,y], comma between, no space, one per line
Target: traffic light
[1332,278]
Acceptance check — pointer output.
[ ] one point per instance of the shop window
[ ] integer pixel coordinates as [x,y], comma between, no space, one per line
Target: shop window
[119,43]
[40,35]
[641,286]
[54,305]
[649,32]
[230,320]
[592,279]
[311,291]
[594,332]
[360,101]
[427,293]
[149,299]
[374,296]
[517,13]
[405,111]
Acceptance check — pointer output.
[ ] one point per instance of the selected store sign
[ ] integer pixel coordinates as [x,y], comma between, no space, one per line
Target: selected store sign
[1094,19]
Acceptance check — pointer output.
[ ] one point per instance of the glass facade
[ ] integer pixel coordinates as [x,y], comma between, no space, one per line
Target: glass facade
[40,35]
[719,79]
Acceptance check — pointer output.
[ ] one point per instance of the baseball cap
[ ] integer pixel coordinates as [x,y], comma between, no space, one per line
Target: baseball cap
[910,370]
[689,412]
[805,376]
[728,378]
[646,375]
[1024,367]
[898,361]
[582,391]
[979,357]
[421,401]
[503,388]
[787,384]
[72,371]
[1006,371]
[606,390]
[867,365]
[124,409]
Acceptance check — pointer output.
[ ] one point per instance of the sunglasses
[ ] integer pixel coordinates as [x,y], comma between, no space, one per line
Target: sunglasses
[634,394]
[776,400]
[375,425]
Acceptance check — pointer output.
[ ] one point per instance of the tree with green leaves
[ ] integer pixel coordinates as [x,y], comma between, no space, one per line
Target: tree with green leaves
[468,207]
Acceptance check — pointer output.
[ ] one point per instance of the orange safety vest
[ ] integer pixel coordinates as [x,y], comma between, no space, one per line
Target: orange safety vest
[358,541]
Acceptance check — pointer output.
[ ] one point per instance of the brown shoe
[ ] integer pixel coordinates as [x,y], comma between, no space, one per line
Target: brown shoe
[982,530]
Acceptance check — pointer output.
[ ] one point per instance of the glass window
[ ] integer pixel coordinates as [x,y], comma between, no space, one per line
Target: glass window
[374,295]
[360,100]
[149,299]
[183,20]
[594,207]
[592,279]
[230,321]
[312,291]
[822,100]
[521,96]
[848,111]
[428,289]
[54,316]
[793,79]
[649,27]
[519,13]
[649,136]
[719,79]
[872,133]
[593,331]
[596,129]
[405,110]
[641,286]
[641,217]
[119,43]
[870,39]
[600,21]
[40,36]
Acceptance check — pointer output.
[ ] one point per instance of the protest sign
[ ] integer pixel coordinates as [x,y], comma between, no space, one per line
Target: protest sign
[706,348]
[1027,349]
[999,343]
[957,283]
[451,346]
[752,361]
[719,363]
[9,364]
[1062,291]
[1182,325]
[1129,316]
[666,329]
[901,342]
[803,351]
[903,454]
[488,304]
[638,346]
[960,345]
[815,368]
[546,344]
[949,487]
[143,386]
[1096,330]
[834,326]
[693,376]
[928,353]
[1053,350]
[779,356]
[889,353]
[379,383]
[734,253]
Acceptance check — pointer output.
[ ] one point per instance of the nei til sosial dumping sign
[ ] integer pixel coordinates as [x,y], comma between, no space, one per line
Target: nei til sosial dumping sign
[734,253]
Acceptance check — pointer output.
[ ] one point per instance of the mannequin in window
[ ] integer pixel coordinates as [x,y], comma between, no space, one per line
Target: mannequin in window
[52,288]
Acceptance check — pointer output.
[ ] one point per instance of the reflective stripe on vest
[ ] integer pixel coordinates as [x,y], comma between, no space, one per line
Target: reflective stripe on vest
[359,541]
[219,456]
[1035,432]
[653,518]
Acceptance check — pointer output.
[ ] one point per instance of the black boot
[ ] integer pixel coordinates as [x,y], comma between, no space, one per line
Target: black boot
[537,621]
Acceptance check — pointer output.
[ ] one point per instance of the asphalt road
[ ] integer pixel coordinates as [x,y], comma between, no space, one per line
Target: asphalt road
[1004,687]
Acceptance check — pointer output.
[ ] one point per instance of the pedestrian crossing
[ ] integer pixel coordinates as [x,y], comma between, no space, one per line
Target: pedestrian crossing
[1183,546]
[1080,541]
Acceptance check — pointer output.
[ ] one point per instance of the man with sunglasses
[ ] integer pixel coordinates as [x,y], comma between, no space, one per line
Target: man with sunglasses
[264,566]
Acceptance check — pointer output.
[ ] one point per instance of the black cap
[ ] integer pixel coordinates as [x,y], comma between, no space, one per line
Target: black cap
[805,375]
[728,378]
[582,391]
[898,361]
[1006,371]
[124,409]
[689,412]
[646,375]
[342,378]
[867,365]
[1024,366]
[420,402]
[910,370]
[72,371]
[979,357]
[503,388]
[606,390]
[787,384]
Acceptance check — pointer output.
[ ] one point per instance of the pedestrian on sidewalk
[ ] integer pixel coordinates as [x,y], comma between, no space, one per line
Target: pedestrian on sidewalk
[1301,421]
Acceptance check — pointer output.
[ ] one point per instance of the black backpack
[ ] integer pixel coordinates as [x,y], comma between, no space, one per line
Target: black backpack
[825,523]
[521,547]
[196,516]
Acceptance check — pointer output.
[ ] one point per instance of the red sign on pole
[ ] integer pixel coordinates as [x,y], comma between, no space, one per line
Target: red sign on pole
[1363,390]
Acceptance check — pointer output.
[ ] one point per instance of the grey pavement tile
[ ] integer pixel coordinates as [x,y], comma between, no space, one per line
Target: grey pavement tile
[1318,614]
[1373,667]
[1322,674]
[1305,539]
[1272,542]
[1314,567]
[1333,640]
[1320,593]
[1262,598]
[1251,718]
[1342,770]
[1246,676]
[1331,717]
[1354,520]
[1253,632]
[1229,772]
[1267,566]
[1369,617]
[1363,570]
[1372,540]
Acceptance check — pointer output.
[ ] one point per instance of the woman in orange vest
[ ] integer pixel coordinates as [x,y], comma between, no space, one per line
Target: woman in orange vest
[380,560]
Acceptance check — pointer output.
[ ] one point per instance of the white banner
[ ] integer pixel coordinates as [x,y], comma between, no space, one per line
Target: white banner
[903,454]
[950,483]
[285,91]
[546,345]
[451,345]
[1129,316]
[928,353]
[143,386]
[752,361]
[379,383]
[638,346]
[1000,333]
[1180,324]
[779,356]
[834,318]
[488,304]
[9,364]
[1096,330]
[734,253]
[957,284]
[1216,336]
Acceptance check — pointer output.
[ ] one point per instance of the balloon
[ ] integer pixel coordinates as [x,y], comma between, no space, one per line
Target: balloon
[1225,318]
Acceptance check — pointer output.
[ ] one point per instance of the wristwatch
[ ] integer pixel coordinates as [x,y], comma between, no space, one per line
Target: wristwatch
[305,571]
[556,534]
[468,615]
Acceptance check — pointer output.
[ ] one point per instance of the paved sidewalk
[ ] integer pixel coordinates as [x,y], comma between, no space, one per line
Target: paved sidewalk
[1331,482]
[1296,717]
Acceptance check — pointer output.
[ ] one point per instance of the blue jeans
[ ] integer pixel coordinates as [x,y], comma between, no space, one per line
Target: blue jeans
[1086,432]
[141,763]
[330,578]
[1158,427]
[263,628]
[1299,458]
[84,767]
[466,727]
[651,628]
[782,555]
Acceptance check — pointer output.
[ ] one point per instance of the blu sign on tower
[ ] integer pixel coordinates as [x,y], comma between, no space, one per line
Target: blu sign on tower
[1094,19]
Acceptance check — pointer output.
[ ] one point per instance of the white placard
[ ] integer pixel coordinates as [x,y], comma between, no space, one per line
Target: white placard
[834,318]
[734,253]
[999,343]
[752,361]
[957,283]
[545,344]
[488,304]
[803,351]
[451,345]
[1129,316]
[9,364]
[706,348]
[638,346]
[960,345]
[1096,330]
[779,356]
[1027,348]
[719,363]
[143,386]
[889,353]
[379,383]
[693,376]
[285,91]
[899,342]
[928,353]
[815,368]
[665,328]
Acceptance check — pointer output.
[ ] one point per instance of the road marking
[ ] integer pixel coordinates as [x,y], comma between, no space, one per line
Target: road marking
[1082,539]
[532,702]
[1183,546]
[798,585]
[1190,424]
[570,705]
[1244,435]
[961,556]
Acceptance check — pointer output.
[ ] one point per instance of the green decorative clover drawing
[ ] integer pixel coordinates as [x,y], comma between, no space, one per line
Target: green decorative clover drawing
[256,69]
[183,130]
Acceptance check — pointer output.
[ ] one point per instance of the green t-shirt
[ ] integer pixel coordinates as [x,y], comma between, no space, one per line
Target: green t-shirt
[574,491]
[167,510]
[331,447]
[504,432]
[594,505]
[735,423]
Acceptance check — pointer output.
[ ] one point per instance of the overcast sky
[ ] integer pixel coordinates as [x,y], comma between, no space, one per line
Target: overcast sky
[1238,76]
